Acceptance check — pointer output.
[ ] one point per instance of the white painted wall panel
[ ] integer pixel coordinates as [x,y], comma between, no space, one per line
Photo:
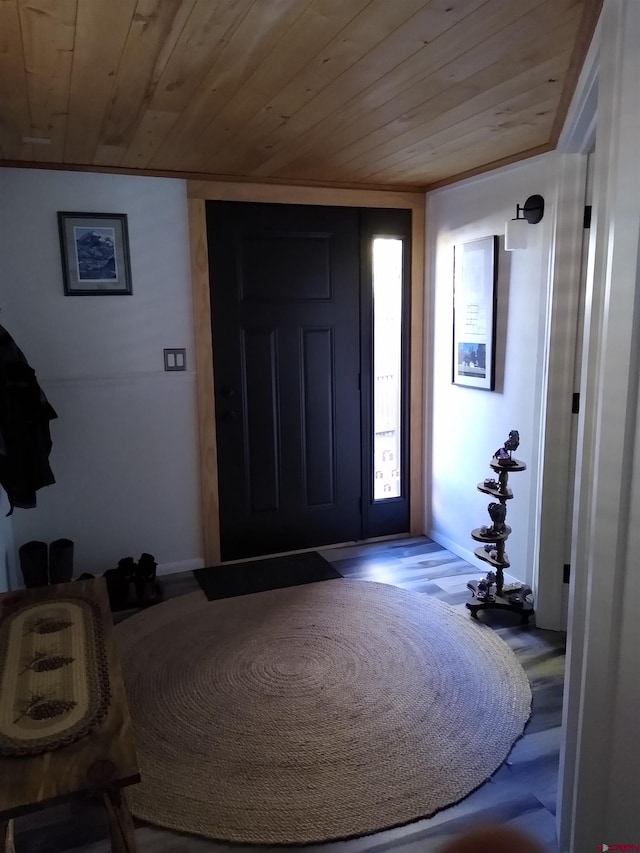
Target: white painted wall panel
[468,424]
[125,443]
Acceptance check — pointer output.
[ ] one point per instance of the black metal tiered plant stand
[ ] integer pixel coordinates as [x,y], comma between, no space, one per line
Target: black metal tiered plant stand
[491,592]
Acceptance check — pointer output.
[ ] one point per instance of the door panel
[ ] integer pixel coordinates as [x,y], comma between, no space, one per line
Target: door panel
[266,262]
[318,416]
[285,327]
[259,357]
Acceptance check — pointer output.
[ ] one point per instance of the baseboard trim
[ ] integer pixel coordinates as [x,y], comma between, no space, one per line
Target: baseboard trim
[458,550]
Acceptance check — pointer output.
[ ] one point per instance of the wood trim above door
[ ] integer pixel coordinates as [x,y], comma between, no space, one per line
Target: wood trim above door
[200,191]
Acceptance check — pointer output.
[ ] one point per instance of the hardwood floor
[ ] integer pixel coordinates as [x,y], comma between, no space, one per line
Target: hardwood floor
[522,792]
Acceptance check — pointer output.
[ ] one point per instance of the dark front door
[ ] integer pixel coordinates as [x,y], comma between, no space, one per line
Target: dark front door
[286,345]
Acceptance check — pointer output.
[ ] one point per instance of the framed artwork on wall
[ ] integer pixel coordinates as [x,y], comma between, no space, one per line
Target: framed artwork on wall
[474,313]
[95,254]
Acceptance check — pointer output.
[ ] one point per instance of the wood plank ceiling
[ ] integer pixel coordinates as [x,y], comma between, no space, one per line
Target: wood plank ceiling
[398,93]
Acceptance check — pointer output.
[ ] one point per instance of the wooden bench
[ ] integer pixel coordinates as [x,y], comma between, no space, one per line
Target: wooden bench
[101,763]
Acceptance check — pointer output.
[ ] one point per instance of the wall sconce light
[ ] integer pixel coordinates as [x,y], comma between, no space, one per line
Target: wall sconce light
[515,230]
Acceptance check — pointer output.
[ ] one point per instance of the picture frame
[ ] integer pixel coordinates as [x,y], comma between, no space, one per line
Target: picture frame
[474,312]
[95,254]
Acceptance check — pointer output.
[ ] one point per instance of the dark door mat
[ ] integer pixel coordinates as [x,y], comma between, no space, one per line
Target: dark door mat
[261,575]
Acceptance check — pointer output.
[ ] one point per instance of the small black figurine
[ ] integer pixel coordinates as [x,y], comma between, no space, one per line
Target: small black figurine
[484,587]
[498,513]
[482,590]
[503,454]
[513,442]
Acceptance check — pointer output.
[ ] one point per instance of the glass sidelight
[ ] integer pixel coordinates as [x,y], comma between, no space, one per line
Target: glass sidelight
[385,252]
[387,275]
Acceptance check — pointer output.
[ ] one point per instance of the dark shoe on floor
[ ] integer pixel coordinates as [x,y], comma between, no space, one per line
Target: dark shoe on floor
[128,568]
[146,591]
[61,561]
[34,563]
[117,588]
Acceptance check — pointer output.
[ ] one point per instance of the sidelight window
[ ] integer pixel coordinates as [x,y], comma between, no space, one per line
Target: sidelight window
[387,363]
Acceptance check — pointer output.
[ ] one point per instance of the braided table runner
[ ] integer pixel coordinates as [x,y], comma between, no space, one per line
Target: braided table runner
[54,681]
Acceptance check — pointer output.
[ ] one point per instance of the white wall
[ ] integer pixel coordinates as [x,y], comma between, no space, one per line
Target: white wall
[125,444]
[468,424]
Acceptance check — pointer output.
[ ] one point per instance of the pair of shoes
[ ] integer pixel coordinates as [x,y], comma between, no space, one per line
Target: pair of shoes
[42,564]
[141,576]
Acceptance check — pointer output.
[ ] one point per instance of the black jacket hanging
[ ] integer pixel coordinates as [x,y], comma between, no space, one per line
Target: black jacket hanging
[25,440]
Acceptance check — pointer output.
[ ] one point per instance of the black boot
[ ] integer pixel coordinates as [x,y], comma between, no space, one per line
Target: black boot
[146,592]
[34,563]
[61,561]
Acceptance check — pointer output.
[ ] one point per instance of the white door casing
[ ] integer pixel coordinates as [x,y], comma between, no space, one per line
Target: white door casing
[598,801]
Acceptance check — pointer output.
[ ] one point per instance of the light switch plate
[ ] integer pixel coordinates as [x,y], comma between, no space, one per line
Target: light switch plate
[175,359]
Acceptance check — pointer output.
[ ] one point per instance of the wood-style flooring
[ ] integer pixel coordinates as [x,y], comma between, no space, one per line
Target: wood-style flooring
[522,792]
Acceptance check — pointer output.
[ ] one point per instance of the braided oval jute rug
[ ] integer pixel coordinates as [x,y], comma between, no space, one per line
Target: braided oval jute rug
[314,712]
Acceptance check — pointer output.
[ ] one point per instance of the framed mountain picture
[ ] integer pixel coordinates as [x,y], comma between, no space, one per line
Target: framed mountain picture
[95,254]
[474,313]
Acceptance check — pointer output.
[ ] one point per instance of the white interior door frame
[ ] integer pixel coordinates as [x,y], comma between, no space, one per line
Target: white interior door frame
[601,746]
[555,482]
